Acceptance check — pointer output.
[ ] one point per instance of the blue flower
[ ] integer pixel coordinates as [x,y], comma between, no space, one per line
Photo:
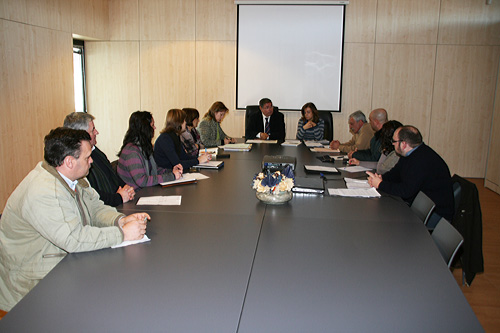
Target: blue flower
[270,180]
[288,172]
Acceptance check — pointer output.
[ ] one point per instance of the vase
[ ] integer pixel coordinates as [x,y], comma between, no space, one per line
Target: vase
[276,198]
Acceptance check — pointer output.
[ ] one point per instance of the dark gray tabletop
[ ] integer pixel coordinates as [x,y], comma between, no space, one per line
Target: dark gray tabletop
[225,262]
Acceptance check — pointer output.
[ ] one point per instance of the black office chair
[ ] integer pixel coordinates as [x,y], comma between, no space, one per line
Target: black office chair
[250,110]
[447,239]
[328,119]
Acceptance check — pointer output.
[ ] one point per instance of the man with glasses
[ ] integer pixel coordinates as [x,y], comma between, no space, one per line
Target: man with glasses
[419,169]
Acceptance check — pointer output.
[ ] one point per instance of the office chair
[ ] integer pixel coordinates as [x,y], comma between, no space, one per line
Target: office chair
[447,239]
[327,118]
[423,206]
[250,110]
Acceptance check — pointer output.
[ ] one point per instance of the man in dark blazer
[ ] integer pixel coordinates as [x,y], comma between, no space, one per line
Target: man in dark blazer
[419,169]
[275,121]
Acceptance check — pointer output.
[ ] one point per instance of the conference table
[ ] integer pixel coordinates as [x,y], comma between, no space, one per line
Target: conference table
[223,261]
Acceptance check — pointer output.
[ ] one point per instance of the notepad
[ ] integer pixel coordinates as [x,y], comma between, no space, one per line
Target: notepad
[291,143]
[356,168]
[187,178]
[210,165]
[316,168]
[261,141]
[324,150]
[166,200]
[355,193]
[356,183]
[237,147]
[310,144]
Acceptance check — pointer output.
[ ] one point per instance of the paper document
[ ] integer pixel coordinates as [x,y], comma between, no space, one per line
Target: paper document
[211,151]
[356,183]
[261,141]
[237,147]
[127,243]
[320,168]
[210,165]
[186,178]
[324,150]
[291,143]
[358,193]
[356,168]
[167,200]
[310,144]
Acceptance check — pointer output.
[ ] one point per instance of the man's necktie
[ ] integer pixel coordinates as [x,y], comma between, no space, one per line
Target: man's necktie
[267,129]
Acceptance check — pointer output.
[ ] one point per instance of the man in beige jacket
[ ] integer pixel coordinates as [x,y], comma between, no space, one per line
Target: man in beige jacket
[54,211]
[361,131]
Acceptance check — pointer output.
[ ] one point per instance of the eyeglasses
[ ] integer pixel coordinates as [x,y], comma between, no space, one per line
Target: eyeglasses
[394,141]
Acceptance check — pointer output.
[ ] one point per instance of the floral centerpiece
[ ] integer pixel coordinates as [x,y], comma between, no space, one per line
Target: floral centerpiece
[274,187]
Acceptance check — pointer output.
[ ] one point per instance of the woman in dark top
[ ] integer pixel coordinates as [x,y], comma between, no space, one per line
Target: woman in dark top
[190,138]
[168,150]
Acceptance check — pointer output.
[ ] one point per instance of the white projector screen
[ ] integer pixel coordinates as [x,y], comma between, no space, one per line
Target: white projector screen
[291,54]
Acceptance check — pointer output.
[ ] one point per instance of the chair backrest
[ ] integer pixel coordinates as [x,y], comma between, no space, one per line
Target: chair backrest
[457,194]
[447,239]
[328,119]
[423,206]
[250,110]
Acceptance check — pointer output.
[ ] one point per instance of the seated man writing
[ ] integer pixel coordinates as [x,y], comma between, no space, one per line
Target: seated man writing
[54,211]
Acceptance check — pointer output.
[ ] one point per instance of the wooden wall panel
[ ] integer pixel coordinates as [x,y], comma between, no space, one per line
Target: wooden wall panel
[90,18]
[16,108]
[52,14]
[492,180]
[360,21]
[464,92]
[209,26]
[167,77]
[215,80]
[113,90]
[407,21]
[13,10]
[51,78]
[124,19]
[470,22]
[357,85]
[167,19]
[402,83]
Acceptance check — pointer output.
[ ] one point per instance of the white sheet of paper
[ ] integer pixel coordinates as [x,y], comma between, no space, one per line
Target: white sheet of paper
[292,143]
[320,168]
[261,141]
[324,150]
[356,168]
[167,200]
[356,183]
[310,144]
[358,193]
[127,243]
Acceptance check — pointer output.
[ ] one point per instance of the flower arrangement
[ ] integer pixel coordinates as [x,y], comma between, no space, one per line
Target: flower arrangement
[274,182]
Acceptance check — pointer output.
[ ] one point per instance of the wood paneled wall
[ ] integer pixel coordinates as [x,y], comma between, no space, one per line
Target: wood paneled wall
[431,63]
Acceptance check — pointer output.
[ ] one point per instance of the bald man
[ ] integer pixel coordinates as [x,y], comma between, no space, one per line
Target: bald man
[377,118]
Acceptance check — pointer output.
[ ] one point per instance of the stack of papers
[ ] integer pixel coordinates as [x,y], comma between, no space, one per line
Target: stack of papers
[210,165]
[167,200]
[316,168]
[291,143]
[356,168]
[310,144]
[358,193]
[324,150]
[356,183]
[187,178]
[261,141]
[237,147]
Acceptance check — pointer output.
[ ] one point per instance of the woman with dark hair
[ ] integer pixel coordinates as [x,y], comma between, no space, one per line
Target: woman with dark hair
[136,165]
[190,138]
[211,133]
[388,158]
[310,126]
[168,150]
